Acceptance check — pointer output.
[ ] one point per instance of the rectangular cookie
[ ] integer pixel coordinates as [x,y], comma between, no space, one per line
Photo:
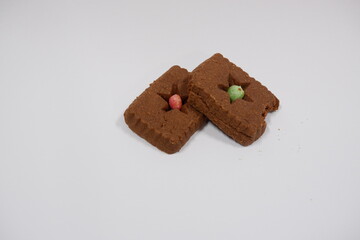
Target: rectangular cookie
[151,117]
[243,119]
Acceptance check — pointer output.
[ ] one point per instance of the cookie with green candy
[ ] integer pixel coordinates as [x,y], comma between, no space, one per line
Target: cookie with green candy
[231,99]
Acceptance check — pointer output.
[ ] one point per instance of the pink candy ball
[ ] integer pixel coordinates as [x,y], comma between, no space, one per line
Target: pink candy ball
[175,102]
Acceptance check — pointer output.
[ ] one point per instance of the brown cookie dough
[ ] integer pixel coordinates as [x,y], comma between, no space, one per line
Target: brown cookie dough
[242,119]
[151,117]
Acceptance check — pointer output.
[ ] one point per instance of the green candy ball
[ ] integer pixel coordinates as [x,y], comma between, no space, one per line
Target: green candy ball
[235,92]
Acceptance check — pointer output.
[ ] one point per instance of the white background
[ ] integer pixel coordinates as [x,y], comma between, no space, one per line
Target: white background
[71,169]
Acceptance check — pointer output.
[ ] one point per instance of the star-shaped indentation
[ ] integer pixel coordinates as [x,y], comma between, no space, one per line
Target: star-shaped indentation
[174,90]
[243,85]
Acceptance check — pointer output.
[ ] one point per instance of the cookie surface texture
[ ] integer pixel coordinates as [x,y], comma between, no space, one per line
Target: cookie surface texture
[243,119]
[151,117]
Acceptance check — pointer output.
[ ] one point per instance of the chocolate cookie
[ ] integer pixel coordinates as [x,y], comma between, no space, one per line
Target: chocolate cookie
[151,117]
[242,119]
